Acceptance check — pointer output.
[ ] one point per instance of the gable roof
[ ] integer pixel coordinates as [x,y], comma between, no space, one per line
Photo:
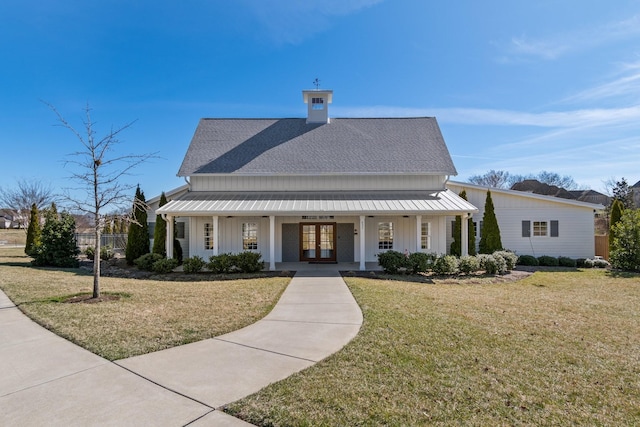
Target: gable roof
[343,146]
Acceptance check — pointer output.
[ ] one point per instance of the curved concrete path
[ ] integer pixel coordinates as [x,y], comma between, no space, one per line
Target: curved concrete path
[46,380]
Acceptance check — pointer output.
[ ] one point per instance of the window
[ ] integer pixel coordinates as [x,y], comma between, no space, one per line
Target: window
[208,236]
[317,103]
[540,228]
[179,230]
[249,236]
[425,236]
[385,235]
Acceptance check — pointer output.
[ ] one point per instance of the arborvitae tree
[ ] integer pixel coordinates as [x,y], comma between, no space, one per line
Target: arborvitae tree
[107,229]
[58,246]
[456,245]
[160,232]
[616,213]
[625,251]
[490,240]
[138,238]
[33,232]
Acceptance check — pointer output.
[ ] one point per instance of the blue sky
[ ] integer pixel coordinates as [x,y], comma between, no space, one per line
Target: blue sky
[521,86]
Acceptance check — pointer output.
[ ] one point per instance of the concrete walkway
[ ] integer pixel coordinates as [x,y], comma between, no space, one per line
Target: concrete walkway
[46,380]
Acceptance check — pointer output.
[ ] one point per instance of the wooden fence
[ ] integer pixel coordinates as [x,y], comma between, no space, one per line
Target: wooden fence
[602,246]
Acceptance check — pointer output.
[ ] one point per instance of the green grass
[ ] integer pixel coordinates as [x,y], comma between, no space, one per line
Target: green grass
[149,315]
[557,348]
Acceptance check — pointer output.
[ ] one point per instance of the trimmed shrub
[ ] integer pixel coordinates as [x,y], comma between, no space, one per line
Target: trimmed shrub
[509,257]
[588,263]
[547,261]
[564,261]
[90,252]
[146,261]
[420,262]
[581,263]
[600,263]
[392,261]
[164,265]
[106,253]
[57,246]
[221,264]
[468,264]
[528,260]
[494,264]
[447,264]
[193,264]
[249,262]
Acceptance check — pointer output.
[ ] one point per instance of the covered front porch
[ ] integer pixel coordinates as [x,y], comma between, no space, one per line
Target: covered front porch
[313,228]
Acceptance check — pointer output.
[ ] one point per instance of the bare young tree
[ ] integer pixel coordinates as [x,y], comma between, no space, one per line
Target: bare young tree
[98,173]
[26,193]
[493,178]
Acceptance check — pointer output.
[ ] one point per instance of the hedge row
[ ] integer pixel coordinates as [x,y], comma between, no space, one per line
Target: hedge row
[244,262]
[394,262]
[561,261]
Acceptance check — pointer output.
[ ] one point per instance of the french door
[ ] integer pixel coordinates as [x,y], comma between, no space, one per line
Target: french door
[318,242]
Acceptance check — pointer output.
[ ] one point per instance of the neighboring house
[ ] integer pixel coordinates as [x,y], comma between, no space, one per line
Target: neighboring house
[9,218]
[316,189]
[534,224]
[345,190]
[635,191]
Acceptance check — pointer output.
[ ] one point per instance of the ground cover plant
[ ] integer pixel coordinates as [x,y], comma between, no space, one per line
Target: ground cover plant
[144,315]
[555,348]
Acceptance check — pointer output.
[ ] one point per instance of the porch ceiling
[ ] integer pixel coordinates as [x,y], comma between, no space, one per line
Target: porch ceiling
[312,203]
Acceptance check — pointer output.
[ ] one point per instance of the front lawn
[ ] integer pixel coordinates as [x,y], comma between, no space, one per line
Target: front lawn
[556,348]
[149,315]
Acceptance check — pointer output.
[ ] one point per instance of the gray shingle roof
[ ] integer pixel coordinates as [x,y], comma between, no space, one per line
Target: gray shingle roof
[344,146]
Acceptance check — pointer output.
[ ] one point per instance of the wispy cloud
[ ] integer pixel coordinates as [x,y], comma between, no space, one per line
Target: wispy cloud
[291,22]
[626,85]
[552,47]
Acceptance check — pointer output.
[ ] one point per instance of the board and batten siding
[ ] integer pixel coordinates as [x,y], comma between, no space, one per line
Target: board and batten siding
[230,234]
[317,183]
[575,223]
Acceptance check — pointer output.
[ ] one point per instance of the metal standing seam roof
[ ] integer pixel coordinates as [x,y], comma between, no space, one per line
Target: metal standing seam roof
[293,204]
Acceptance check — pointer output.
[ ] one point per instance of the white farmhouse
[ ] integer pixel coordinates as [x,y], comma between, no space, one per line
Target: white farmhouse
[317,189]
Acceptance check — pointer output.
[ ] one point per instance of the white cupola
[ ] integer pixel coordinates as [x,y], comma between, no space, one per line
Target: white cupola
[317,101]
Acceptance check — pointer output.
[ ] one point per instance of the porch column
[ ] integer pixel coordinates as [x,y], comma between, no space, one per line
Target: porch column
[362,244]
[464,244]
[216,246]
[418,233]
[169,242]
[272,243]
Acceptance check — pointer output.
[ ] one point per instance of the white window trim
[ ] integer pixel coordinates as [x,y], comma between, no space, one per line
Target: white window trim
[208,237]
[547,228]
[248,234]
[426,225]
[386,242]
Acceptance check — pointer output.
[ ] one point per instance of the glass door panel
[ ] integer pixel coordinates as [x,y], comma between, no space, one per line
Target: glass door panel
[308,235]
[326,241]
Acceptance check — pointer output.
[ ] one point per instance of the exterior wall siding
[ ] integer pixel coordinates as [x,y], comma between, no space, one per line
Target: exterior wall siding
[230,234]
[317,183]
[576,224]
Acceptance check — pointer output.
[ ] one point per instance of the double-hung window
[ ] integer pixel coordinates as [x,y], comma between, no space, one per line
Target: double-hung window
[249,236]
[541,228]
[385,235]
[425,235]
[208,236]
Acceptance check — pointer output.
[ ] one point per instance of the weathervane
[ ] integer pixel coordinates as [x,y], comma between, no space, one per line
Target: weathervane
[316,82]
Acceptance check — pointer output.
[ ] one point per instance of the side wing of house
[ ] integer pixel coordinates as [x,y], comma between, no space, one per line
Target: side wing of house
[532,224]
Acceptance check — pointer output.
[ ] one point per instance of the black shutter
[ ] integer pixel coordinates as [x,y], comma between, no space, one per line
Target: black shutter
[554,229]
[526,228]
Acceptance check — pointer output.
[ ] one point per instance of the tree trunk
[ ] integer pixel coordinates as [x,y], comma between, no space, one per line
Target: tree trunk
[96,262]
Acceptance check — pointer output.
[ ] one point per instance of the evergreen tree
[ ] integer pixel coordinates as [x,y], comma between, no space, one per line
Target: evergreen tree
[623,193]
[160,232]
[107,229]
[138,238]
[625,251]
[490,240]
[58,246]
[616,213]
[33,232]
